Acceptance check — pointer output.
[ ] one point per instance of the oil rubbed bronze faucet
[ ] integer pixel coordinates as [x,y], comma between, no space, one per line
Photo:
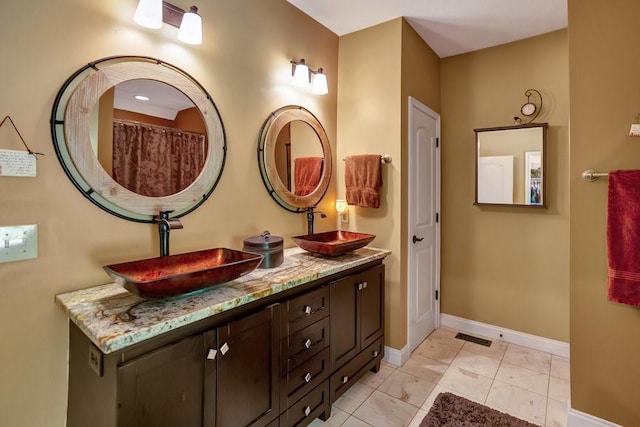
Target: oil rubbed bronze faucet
[166,224]
[310,218]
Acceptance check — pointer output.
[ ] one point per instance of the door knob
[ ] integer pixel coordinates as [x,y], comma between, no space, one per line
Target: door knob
[417,239]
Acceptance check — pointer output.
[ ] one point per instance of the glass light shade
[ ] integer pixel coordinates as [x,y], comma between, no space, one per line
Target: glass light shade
[149,13]
[320,83]
[301,74]
[341,206]
[191,27]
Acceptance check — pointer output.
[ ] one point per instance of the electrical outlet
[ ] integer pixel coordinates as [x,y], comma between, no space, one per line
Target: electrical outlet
[18,242]
[95,359]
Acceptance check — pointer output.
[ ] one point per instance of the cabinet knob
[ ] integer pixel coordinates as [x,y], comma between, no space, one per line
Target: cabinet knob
[212,354]
[364,285]
[375,353]
[307,411]
[359,286]
[308,343]
[345,379]
[307,377]
[224,349]
[307,309]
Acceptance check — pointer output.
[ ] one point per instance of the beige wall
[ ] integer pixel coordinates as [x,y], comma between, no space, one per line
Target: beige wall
[605,90]
[378,68]
[243,63]
[506,266]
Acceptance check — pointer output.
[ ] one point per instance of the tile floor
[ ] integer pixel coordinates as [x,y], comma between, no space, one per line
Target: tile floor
[529,384]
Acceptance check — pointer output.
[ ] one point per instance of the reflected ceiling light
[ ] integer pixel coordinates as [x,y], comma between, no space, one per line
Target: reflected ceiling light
[302,77]
[141,97]
[152,13]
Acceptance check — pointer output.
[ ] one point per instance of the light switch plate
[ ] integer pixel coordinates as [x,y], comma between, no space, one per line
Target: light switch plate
[18,242]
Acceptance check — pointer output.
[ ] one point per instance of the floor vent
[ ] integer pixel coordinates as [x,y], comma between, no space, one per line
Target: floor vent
[476,340]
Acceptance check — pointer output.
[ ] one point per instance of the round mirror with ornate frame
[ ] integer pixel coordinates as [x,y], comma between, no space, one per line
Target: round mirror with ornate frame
[75,123]
[294,156]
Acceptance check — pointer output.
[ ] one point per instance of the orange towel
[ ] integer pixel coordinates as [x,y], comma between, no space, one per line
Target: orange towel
[363,178]
[623,237]
[307,173]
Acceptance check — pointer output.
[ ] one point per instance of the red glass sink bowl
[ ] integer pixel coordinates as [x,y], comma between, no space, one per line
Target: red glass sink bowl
[333,243]
[173,275]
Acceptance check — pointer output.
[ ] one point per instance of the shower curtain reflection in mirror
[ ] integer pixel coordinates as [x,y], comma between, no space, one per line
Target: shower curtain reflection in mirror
[156,161]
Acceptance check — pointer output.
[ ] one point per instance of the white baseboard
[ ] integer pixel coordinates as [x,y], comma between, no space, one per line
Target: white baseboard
[557,348]
[576,418]
[396,357]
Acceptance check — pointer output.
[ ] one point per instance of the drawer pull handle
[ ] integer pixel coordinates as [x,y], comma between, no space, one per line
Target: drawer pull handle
[307,309]
[308,343]
[224,349]
[375,353]
[359,286]
[212,354]
[364,285]
[307,411]
[307,377]
[345,379]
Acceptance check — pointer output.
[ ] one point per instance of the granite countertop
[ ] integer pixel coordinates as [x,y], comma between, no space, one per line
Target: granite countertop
[113,318]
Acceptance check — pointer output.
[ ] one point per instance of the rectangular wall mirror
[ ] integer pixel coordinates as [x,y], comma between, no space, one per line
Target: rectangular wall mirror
[510,165]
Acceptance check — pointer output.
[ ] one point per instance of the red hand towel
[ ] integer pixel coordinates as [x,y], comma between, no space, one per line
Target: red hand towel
[362,179]
[307,173]
[623,237]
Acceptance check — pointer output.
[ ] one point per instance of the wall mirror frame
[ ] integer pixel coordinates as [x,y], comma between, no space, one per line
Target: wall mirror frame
[73,127]
[280,121]
[511,165]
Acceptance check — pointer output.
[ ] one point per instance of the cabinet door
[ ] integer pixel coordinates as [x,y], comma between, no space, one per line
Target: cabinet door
[371,305]
[247,370]
[164,387]
[344,335]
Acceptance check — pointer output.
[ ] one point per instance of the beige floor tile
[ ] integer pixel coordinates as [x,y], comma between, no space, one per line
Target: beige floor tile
[374,380]
[481,365]
[556,413]
[437,350]
[528,358]
[560,367]
[495,351]
[446,336]
[337,418]
[355,422]
[559,389]
[382,410]
[426,406]
[518,402]
[527,379]
[417,419]
[425,368]
[466,382]
[353,398]
[406,387]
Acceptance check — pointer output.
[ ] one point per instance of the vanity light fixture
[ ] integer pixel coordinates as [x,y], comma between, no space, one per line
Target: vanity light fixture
[343,210]
[302,76]
[152,13]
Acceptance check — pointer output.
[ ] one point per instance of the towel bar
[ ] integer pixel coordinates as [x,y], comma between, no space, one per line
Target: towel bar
[593,175]
[384,159]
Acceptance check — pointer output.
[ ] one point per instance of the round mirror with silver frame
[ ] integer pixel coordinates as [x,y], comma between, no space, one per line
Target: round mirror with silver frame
[284,140]
[73,128]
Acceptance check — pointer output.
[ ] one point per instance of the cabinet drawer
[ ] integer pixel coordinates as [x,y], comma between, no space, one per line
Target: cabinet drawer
[305,377]
[301,345]
[307,409]
[302,311]
[353,370]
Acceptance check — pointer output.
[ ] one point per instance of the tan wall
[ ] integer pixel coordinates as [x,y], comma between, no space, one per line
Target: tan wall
[605,336]
[243,63]
[378,68]
[506,266]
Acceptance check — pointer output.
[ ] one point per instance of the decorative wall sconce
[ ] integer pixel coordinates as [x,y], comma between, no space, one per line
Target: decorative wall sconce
[152,13]
[302,76]
[343,210]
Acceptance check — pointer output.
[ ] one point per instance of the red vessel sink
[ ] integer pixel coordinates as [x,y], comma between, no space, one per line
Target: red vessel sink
[333,243]
[173,275]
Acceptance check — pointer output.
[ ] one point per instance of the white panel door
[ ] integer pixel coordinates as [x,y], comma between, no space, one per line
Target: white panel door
[495,179]
[424,228]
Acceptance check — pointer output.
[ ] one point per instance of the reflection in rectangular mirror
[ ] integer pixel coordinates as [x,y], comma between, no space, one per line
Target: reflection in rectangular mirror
[510,166]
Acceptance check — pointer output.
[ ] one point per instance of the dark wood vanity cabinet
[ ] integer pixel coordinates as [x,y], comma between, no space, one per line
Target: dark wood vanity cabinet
[278,365]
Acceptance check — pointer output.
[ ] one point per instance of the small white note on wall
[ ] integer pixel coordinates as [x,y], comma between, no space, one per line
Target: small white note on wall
[635,130]
[17,163]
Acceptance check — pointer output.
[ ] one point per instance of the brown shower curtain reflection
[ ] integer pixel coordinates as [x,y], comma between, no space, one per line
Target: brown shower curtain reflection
[156,161]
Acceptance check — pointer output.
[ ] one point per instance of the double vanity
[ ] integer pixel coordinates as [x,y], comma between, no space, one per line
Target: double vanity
[274,347]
